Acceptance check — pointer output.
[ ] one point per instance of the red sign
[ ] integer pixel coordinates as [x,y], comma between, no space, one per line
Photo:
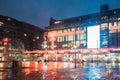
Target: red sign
[114,28]
[5,43]
[5,40]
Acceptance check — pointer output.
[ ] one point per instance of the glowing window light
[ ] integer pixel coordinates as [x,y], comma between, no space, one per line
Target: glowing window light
[25,34]
[8,19]
[34,40]
[37,37]
[57,22]
[1,23]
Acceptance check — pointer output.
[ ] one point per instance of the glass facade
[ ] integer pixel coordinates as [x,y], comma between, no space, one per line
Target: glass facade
[73,32]
[70,37]
[114,34]
[104,35]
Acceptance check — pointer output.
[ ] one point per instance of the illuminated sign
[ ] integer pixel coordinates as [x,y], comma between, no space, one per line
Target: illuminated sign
[93,36]
[5,41]
[51,36]
[55,34]
[114,28]
[115,51]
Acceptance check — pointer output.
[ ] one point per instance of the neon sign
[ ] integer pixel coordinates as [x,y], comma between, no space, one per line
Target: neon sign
[5,41]
[114,28]
[51,36]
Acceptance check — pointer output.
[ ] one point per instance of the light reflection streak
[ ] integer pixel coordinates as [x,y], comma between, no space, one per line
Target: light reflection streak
[87,71]
[94,72]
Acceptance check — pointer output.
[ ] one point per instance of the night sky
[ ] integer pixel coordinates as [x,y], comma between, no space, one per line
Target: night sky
[38,12]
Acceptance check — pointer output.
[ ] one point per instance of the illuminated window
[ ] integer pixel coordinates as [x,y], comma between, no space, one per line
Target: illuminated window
[81,28]
[104,26]
[57,39]
[82,36]
[8,19]
[59,31]
[84,28]
[104,42]
[64,45]
[112,31]
[77,43]
[25,34]
[33,40]
[65,30]
[68,30]
[118,30]
[104,17]
[115,12]
[119,18]
[118,23]
[73,29]
[70,38]
[78,28]
[37,37]
[115,23]
[1,23]
[110,24]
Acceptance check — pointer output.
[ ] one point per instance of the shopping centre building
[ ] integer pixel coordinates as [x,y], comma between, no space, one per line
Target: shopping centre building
[88,37]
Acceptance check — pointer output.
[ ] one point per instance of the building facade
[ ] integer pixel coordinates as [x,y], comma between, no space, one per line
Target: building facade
[18,36]
[67,32]
[93,33]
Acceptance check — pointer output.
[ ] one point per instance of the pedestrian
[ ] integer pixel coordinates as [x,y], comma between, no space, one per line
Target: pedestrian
[45,61]
[38,60]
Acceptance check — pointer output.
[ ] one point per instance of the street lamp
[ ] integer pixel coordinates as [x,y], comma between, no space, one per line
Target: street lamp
[97,50]
[75,57]
[75,47]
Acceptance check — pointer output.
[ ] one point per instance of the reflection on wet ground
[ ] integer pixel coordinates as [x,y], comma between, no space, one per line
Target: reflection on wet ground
[62,71]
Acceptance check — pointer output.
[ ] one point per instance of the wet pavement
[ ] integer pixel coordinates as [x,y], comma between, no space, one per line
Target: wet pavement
[61,71]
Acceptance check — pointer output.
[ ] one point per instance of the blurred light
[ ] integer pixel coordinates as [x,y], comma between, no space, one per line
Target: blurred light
[1,48]
[25,34]
[5,43]
[57,22]
[33,40]
[118,18]
[12,47]
[1,23]
[37,37]
[114,27]
[5,40]
[8,19]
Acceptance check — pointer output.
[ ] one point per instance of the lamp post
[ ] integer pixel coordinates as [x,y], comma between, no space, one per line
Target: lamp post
[75,57]
[75,48]
[97,51]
